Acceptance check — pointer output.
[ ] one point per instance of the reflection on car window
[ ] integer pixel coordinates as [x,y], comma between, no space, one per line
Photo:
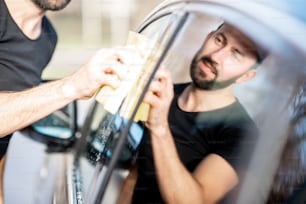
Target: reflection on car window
[103,139]
[289,181]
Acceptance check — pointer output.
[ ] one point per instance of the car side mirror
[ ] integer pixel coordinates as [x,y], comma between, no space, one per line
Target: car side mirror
[57,129]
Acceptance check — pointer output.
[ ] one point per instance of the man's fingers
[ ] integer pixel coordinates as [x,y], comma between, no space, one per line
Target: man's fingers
[129,55]
[156,87]
[112,80]
[151,98]
[118,69]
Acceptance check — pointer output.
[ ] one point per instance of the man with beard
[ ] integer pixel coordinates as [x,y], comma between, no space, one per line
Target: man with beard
[198,136]
[27,43]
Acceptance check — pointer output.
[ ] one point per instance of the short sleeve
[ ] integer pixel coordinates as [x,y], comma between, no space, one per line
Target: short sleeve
[236,145]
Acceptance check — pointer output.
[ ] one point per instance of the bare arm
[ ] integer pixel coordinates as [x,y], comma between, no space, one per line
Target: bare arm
[211,180]
[19,109]
[126,192]
[213,177]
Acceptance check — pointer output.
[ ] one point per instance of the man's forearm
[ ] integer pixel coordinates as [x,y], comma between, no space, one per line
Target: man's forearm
[126,192]
[19,109]
[176,184]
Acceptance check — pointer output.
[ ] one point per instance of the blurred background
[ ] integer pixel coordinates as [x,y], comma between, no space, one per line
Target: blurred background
[86,26]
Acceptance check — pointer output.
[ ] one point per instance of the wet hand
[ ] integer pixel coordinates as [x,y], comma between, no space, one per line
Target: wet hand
[106,67]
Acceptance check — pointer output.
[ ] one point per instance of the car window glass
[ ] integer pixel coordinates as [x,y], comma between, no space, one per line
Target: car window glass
[266,98]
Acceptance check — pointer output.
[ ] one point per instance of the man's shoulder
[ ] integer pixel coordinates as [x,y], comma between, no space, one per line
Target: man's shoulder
[48,28]
[239,117]
[239,112]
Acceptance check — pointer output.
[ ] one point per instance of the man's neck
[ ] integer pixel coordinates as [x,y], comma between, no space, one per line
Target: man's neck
[195,100]
[27,16]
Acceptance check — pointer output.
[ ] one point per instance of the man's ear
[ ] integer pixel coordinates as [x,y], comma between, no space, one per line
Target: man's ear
[247,76]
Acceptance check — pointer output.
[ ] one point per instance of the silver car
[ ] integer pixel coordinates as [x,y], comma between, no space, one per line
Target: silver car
[92,160]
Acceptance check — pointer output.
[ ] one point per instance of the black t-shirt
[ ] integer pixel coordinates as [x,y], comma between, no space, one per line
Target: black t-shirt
[228,132]
[22,60]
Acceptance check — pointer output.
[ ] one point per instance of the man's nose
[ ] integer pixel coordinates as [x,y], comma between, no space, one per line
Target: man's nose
[218,55]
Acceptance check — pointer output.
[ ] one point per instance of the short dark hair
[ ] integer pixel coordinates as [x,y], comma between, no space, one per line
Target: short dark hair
[261,53]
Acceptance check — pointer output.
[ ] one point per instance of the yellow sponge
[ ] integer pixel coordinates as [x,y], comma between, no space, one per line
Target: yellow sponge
[139,70]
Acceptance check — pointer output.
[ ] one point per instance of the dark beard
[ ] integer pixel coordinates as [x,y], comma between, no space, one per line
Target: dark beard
[49,5]
[197,75]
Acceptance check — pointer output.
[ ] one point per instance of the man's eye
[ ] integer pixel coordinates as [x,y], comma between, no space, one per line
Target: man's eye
[218,40]
[237,55]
